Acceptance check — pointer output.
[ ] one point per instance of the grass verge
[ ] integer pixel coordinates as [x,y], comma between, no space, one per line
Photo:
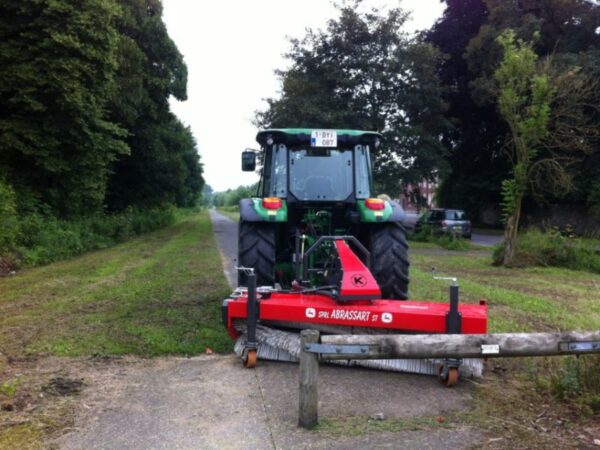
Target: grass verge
[159,294]
[528,400]
[521,403]
[553,249]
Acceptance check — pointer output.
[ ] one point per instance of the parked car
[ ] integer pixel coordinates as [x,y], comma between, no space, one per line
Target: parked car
[451,221]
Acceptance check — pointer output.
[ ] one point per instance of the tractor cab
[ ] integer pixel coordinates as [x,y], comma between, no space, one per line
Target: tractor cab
[303,165]
[315,185]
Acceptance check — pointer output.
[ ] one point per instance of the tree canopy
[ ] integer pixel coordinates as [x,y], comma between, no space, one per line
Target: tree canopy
[567,33]
[84,115]
[364,72]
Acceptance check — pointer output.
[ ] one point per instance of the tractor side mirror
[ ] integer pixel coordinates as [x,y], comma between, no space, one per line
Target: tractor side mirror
[248,160]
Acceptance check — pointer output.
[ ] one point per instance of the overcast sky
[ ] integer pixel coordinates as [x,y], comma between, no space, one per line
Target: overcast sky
[231,48]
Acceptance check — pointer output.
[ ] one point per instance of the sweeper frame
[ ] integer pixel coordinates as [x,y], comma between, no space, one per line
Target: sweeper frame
[351,305]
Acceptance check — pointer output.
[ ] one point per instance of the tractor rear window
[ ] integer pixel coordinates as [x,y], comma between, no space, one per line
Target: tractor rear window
[321,174]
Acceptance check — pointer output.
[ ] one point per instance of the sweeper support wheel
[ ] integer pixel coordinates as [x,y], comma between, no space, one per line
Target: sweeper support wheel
[249,358]
[448,375]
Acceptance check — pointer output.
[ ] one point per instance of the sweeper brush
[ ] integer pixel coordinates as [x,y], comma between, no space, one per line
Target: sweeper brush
[265,321]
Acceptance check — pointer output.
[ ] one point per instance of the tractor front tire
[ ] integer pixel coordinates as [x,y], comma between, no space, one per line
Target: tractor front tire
[389,253]
[256,249]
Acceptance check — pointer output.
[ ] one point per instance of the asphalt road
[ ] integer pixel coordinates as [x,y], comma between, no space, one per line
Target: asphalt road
[486,240]
[226,231]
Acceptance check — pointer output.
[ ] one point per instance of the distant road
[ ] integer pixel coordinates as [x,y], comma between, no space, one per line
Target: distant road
[410,219]
[487,240]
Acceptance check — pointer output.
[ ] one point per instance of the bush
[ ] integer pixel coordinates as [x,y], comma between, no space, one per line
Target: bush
[9,226]
[552,249]
[44,238]
[573,380]
[449,241]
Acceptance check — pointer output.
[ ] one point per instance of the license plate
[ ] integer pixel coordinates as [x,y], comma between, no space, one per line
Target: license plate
[323,138]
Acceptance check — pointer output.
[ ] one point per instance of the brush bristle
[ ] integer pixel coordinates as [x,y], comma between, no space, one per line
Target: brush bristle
[278,345]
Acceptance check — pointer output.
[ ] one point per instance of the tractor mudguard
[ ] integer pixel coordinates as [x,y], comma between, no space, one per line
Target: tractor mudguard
[398,214]
[247,211]
[252,210]
[392,212]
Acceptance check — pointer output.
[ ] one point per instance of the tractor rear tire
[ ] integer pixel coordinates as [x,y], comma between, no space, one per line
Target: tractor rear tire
[389,253]
[256,249]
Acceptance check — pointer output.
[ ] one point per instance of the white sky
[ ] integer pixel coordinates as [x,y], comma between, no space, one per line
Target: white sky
[231,48]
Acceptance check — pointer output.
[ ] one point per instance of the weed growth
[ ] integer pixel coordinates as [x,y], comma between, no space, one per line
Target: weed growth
[231,209]
[554,248]
[449,241]
[10,387]
[8,217]
[573,380]
[43,238]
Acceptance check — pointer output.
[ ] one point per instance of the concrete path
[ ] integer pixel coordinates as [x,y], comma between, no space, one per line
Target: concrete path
[226,233]
[212,402]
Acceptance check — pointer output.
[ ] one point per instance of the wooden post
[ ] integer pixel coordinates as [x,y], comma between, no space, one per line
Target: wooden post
[309,377]
[473,345]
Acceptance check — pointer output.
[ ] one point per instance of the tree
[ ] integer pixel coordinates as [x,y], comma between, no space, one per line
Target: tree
[207,195]
[163,165]
[57,67]
[467,34]
[524,101]
[476,166]
[8,216]
[84,108]
[363,72]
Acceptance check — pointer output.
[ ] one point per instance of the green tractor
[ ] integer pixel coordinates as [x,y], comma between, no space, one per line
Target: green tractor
[313,184]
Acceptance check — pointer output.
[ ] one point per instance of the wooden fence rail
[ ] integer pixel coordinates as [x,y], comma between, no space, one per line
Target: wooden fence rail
[426,346]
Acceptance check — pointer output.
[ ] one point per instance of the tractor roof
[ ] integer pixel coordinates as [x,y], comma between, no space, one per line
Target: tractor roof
[298,136]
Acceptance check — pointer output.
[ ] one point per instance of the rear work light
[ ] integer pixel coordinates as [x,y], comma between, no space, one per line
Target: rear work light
[375,204]
[272,203]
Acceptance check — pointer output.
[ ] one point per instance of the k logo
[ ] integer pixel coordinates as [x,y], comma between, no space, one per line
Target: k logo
[359,280]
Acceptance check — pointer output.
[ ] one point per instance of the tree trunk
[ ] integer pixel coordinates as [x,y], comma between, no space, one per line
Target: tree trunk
[510,233]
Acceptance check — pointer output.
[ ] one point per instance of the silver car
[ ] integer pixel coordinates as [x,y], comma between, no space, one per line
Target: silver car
[451,221]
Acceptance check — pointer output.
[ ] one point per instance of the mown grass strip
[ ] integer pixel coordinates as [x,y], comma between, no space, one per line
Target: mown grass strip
[532,299]
[156,294]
